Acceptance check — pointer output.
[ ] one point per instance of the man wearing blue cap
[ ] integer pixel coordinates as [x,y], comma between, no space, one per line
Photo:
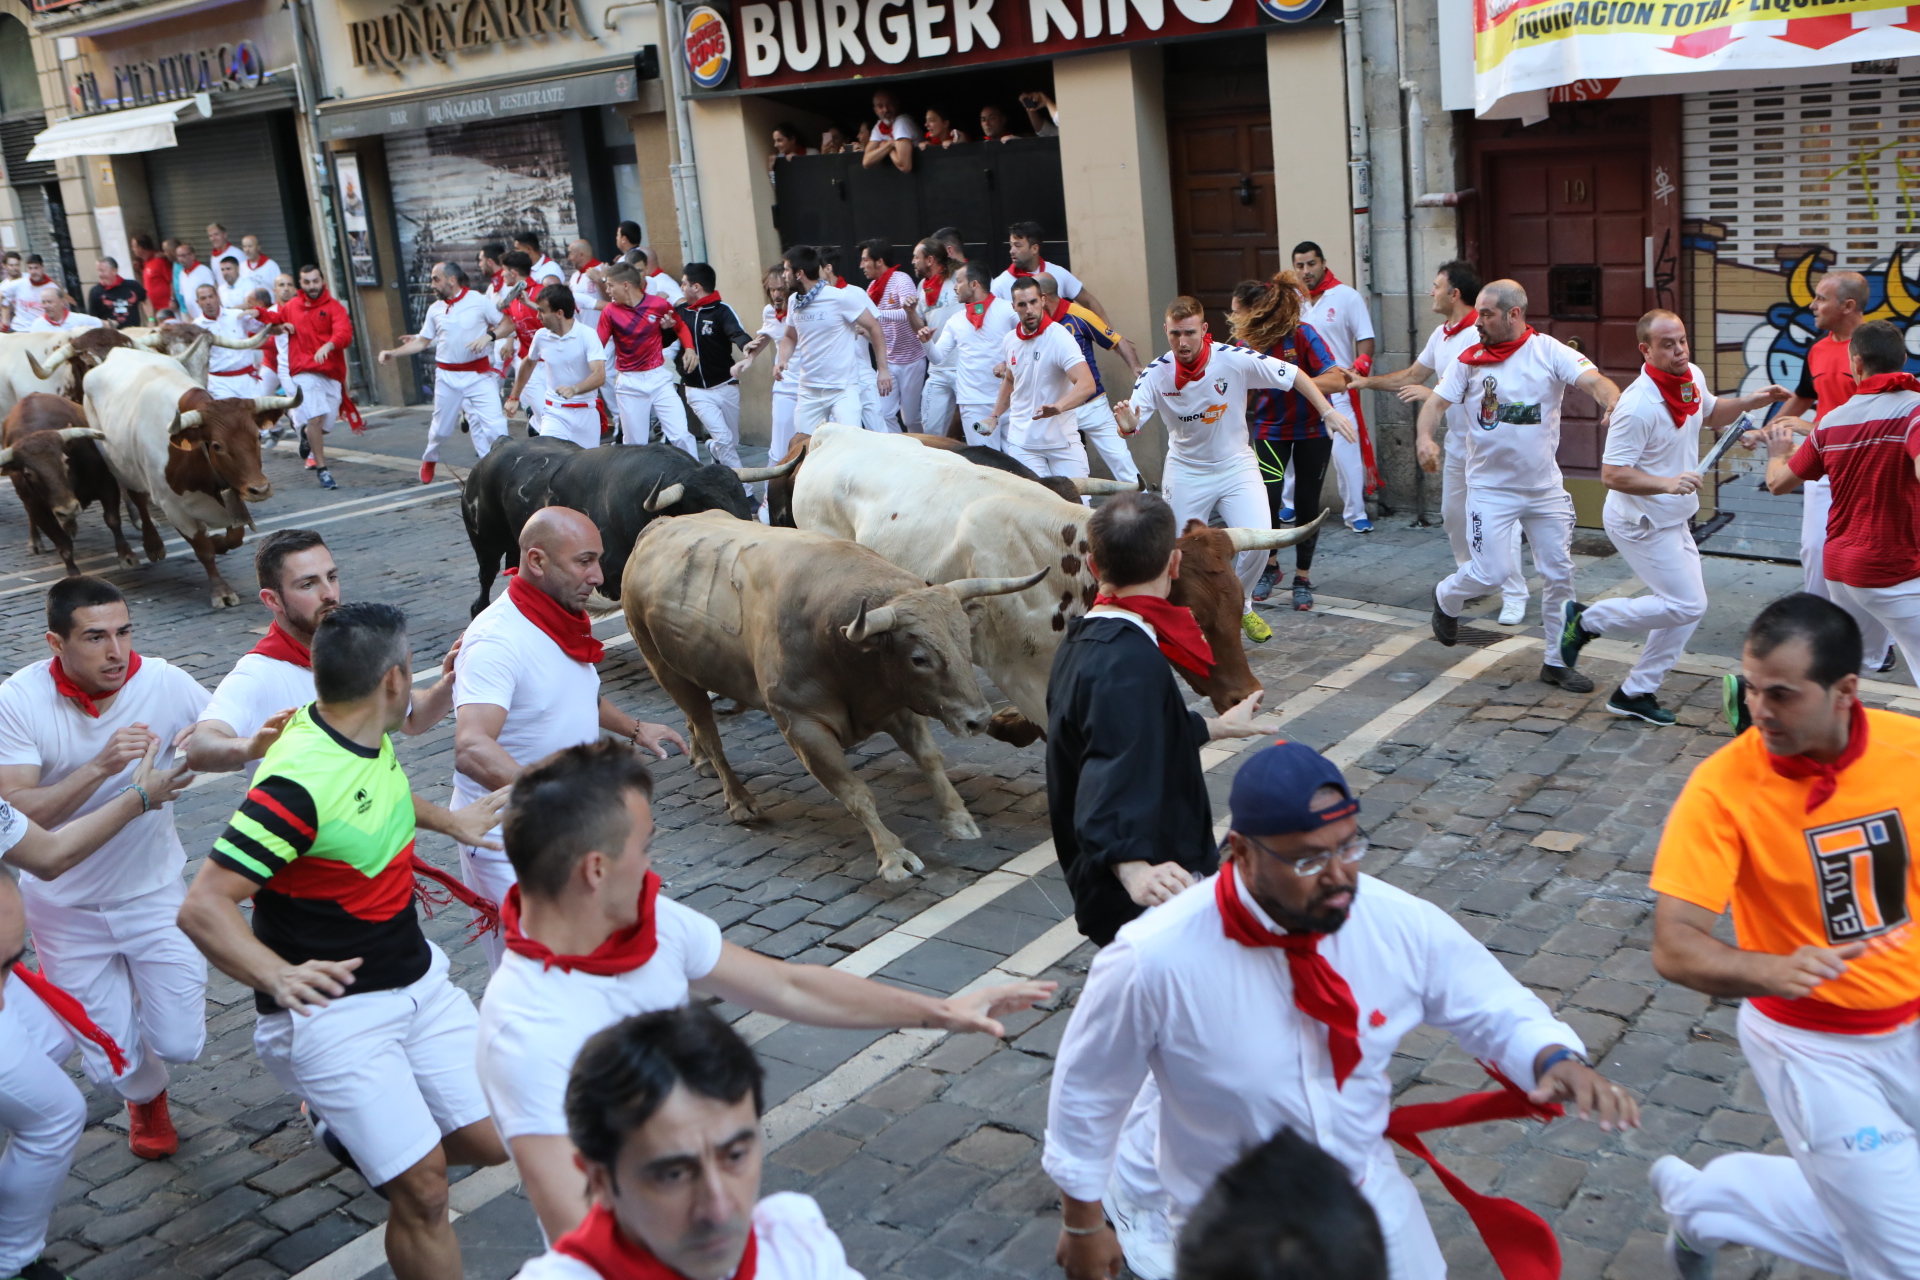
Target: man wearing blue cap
[1275,996]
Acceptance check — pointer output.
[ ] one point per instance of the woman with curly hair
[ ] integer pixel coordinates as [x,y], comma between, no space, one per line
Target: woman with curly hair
[1287,430]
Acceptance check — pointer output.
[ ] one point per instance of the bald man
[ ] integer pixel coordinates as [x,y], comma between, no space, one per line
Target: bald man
[525,684]
[588,295]
[1826,382]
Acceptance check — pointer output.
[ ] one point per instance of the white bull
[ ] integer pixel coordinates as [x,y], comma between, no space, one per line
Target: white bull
[17,378]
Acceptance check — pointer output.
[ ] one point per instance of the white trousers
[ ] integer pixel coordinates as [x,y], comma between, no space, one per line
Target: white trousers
[580,424]
[319,401]
[233,386]
[1103,431]
[821,405]
[1233,487]
[938,399]
[41,1116]
[785,425]
[478,394]
[909,380]
[1849,1110]
[1882,612]
[1453,516]
[1668,561]
[1068,459]
[1547,517]
[643,395]
[489,874]
[1816,501]
[1349,471]
[137,976]
[718,408]
[871,418]
[972,413]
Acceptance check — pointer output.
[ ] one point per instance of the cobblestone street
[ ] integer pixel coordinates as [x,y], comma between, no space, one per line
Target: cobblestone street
[1529,814]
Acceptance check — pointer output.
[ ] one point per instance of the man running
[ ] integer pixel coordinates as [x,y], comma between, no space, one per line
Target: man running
[74,730]
[574,364]
[1023,248]
[1095,417]
[824,326]
[382,1056]
[584,281]
[459,328]
[712,388]
[896,302]
[314,359]
[970,346]
[545,270]
[1199,389]
[666,1109]
[937,270]
[273,356]
[300,586]
[1802,828]
[1339,315]
[1512,383]
[634,327]
[519,322]
[590,940]
[1839,307]
[1047,380]
[525,684]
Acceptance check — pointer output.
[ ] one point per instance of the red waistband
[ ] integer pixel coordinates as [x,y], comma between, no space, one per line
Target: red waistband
[230,373]
[471,366]
[575,404]
[1810,1014]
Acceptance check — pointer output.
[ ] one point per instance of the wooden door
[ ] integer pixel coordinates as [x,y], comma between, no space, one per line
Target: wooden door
[1225,230]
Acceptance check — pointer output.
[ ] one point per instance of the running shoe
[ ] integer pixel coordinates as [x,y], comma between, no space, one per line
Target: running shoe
[1641,706]
[426,473]
[334,1147]
[41,1269]
[151,1132]
[313,464]
[266,438]
[1565,678]
[1286,515]
[1146,1234]
[1513,612]
[1887,664]
[1573,637]
[1302,594]
[1264,588]
[1257,630]
[1670,1176]
[306,445]
[1446,627]
[1362,525]
[326,479]
[1687,1262]
[1733,702]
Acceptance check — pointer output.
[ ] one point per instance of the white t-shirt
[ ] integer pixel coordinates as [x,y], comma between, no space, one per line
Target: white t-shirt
[587,302]
[236,294]
[564,358]
[792,1241]
[1069,283]
[899,129]
[239,325]
[775,328]
[1439,355]
[461,329]
[260,277]
[74,320]
[1207,419]
[534,1020]
[186,299]
[824,337]
[1340,317]
[23,295]
[1641,434]
[545,271]
[1042,367]
[662,285]
[39,727]
[258,687]
[972,353]
[1513,412]
[231,251]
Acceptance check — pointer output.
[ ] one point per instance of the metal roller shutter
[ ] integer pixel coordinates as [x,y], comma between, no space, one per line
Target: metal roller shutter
[26,178]
[224,172]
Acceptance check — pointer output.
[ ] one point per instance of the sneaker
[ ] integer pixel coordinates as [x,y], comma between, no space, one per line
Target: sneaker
[1565,678]
[326,479]
[1733,702]
[313,464]
[1302,594]
[334,1147]
[1286,515]
[266,438]
[1362,525]
[1687,1262]
[1513,612]
[1887,664]
[1573,637]
[1263,589]
[306,445]
[1643,706]
[41,1269]
[1146,1234]
[1257,630]
[426,472]
[1446,627]
[1669,1176]
[152,1134]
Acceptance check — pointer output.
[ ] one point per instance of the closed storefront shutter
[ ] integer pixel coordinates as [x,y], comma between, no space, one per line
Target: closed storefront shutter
[26,177]
[224,171]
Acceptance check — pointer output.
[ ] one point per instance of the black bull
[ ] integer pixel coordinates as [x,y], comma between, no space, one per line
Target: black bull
[620,488]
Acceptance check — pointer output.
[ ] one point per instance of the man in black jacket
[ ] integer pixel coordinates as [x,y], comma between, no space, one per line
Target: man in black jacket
[712,391]
[1132,825]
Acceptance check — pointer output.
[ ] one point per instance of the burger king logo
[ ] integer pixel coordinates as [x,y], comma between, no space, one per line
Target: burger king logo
[1290,10]
[709,47]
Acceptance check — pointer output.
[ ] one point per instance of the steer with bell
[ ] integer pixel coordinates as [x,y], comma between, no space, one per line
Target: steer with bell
[824,636]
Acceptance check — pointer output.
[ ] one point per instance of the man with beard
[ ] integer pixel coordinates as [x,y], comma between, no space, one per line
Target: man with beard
[299,585]
[318,335]
[1166,1007]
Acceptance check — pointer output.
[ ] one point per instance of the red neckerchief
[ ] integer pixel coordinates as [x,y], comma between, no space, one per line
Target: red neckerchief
[1681,396]
[1178,635]
[1328,280]
[1184,373]
[600,1243]
[706,300]
[877,289]
[591,264]
[839,281]
[1014,269]
[1060,313]
[113,284]
[254,264]
[930,288]
[1021,328]
[573,632]
[1318,990]
[977,312]
[1481,353]
[499,277]
[66,688]
[73,1013]
[1887,382]
[624,950]
[282,647]
[1827,775]
[1454,330]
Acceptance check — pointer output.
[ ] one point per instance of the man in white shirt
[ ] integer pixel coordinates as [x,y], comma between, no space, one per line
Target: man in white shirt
[258,270]
[895,301]
[590,941]
[545,269]
[969,347]
[189,274]
[575,364]
[585,283]
[230,370]
[936,271]
[22,295]
[1047,379]
[1339,315]
[1512,383]
[1651,468]
[666,1109]
[872,356]
[234,291]
[219,248]
[459,328]
[73,730]
[299,585]
[525,684]
[893,137]
[1165,1007]
[1199,389]
[56,316]
[824,325]
[273,369]
[659,283]
[1023,248]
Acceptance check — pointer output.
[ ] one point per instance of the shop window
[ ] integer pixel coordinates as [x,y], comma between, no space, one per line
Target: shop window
[1573,293]
[19,86]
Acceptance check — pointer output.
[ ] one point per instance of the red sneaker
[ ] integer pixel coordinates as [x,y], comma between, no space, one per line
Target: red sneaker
[426,472]
[311,464]
[153,1134]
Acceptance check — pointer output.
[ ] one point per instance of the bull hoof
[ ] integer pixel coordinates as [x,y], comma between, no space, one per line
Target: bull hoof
[742,811]
[156,553]
[128,560]
[1014,729]
[960,826]
[900,864]
[227,600]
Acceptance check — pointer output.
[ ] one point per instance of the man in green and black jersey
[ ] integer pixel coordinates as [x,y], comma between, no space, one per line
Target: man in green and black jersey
[383,1050]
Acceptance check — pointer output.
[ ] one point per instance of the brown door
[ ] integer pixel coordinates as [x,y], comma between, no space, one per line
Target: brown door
[1223,217]
[1570,224]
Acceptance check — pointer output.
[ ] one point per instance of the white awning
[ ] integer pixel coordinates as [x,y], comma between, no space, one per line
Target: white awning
[116,132]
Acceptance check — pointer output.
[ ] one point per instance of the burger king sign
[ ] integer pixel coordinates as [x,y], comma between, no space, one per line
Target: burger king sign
[708,46]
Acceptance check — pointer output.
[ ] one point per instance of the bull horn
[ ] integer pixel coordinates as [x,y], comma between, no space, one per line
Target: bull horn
[754,475]
[870,622]
[60,354]
[184,422]
[254,343]
[6,457]
[81,433]
[1094,487]
[972,588]
[664,498]
[148,341]
[267,404]
[1273,539]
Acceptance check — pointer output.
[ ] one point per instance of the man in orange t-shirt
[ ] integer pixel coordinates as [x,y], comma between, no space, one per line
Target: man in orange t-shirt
[1799,825]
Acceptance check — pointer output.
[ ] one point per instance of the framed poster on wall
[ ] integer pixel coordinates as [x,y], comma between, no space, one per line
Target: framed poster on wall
[353,219]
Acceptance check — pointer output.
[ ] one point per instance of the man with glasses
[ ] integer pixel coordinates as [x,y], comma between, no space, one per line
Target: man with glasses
[1274,995]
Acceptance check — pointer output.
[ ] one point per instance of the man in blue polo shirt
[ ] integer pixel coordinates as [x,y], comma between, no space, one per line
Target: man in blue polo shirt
[1096,415]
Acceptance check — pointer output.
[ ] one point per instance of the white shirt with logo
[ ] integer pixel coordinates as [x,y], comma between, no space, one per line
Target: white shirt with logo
[565,357]
[972,353]
[1042,370]
[74,320]
[822,320]
[460,328]
[1641,434]
[23,295]
[1341,319]
[1513,413]
[260,277]
[1207,419]
[1439,355]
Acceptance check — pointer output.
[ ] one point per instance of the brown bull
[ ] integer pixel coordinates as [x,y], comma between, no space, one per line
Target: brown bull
[49,452]
[81,351]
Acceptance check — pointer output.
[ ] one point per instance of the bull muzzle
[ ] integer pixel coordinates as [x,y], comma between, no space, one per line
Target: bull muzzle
[1094,487]
[268,404]
[254,343]
[871,622]
[60,354]
[1273,539]
[973,588]
[754,475]
[661,499]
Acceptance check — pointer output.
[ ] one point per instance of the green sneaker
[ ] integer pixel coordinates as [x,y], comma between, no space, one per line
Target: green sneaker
[1641,706]
[1256,628]
[1573,637]
[1733,702]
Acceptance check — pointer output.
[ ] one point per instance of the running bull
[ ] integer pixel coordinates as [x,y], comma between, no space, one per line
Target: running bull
[824,636]
[49,452]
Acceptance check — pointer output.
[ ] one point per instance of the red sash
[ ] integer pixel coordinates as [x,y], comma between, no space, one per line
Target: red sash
[1812,1014]
[624,950]
[600,1243]
[466,366]
[281,647]
[573,632]
[73,1013]
[66,688]
[1179,636]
